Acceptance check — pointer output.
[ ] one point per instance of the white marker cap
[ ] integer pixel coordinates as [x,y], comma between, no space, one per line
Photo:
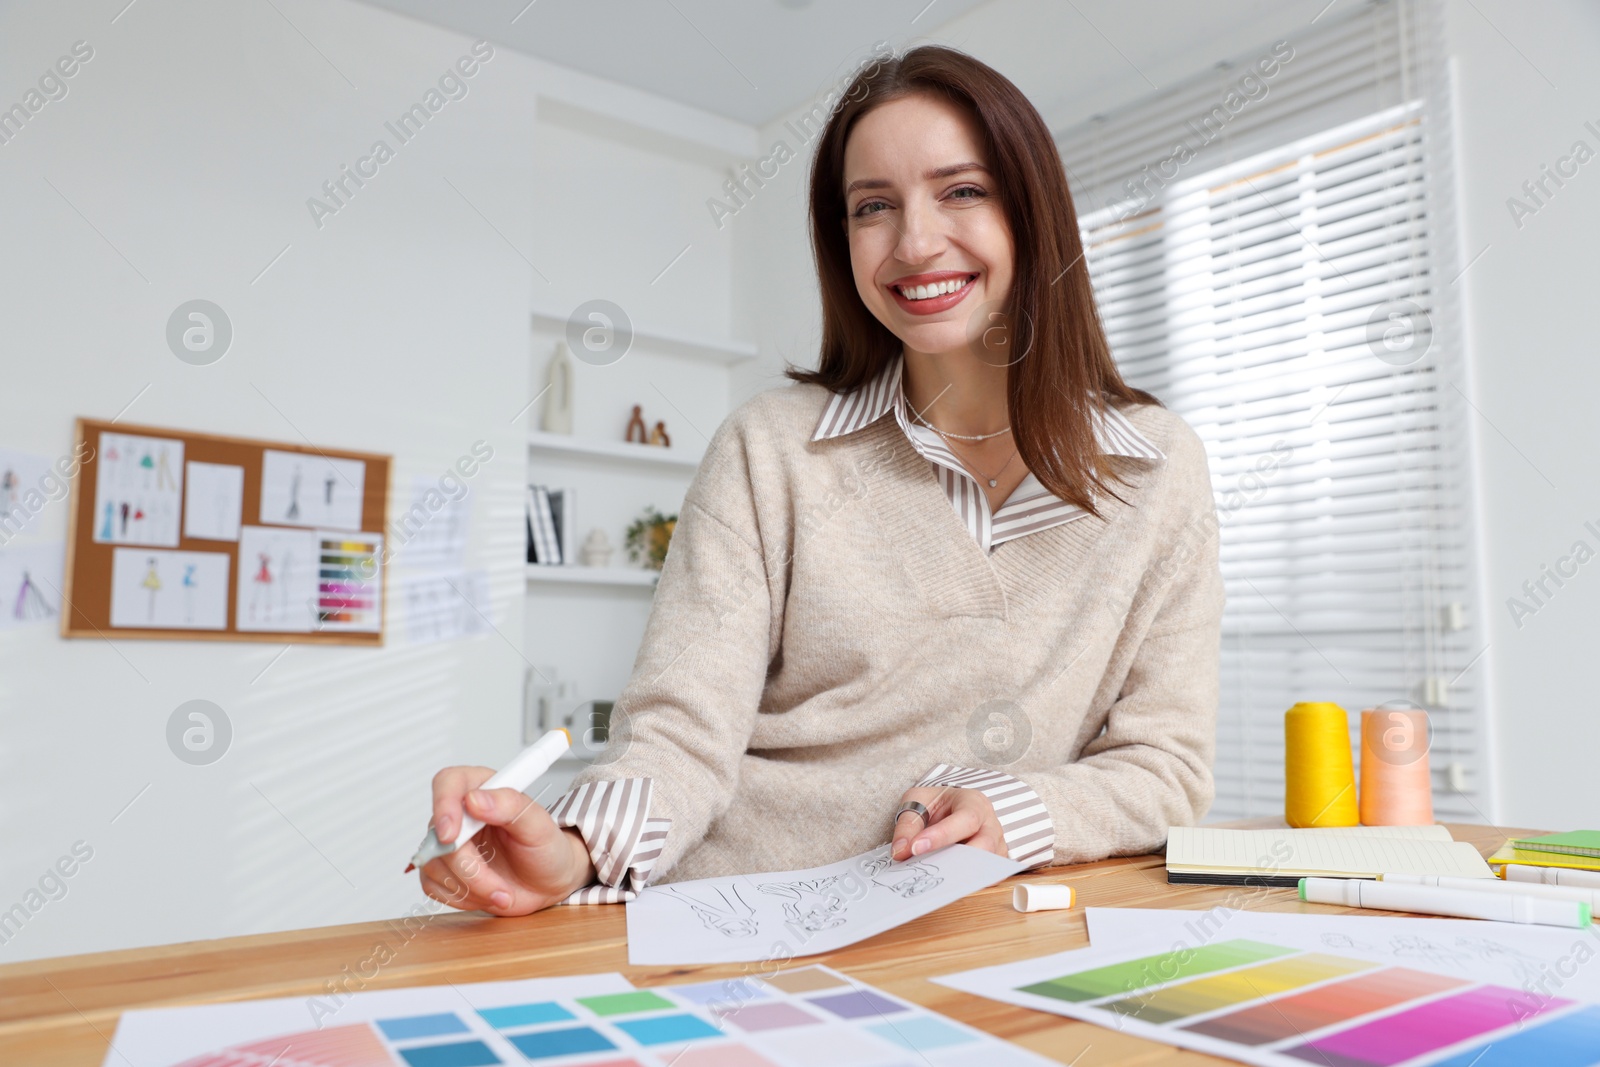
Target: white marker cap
[1041,897]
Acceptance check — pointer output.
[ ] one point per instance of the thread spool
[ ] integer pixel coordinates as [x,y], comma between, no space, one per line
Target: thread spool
[1396,788]
[1318,772]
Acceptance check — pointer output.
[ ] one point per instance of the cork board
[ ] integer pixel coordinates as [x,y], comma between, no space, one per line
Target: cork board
[191,536]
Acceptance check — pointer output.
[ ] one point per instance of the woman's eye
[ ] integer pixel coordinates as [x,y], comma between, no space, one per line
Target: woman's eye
[967,192]
[868,208]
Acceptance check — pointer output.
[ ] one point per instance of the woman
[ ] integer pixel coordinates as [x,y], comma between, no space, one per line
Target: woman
[959,584]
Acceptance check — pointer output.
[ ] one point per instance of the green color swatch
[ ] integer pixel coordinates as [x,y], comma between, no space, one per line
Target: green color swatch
[625,1003]
[1153,970]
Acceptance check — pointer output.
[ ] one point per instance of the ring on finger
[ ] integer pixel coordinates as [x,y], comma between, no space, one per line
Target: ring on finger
[914,808]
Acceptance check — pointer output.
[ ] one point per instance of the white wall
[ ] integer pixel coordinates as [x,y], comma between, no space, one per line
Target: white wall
[1526,85]
[187,148]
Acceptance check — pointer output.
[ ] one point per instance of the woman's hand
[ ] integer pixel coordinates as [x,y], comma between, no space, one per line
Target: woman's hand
[520,862]
[955,816]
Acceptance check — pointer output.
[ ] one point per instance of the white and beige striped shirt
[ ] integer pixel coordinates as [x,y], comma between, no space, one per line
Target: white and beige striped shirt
[614,817]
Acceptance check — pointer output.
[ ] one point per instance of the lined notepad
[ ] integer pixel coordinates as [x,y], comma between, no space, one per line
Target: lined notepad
[1279,857]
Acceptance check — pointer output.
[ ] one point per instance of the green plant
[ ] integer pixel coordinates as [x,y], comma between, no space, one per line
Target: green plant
[648,537]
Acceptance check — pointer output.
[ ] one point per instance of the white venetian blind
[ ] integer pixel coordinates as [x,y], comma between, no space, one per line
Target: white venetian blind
[1271,265]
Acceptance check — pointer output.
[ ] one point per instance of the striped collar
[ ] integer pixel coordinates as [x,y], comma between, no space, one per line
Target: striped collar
[1030,507]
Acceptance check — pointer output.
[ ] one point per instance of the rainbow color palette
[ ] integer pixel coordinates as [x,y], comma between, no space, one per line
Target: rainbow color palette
[802,1017]
[1281,1005]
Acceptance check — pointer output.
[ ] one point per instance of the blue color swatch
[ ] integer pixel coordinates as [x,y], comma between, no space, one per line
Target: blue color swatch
[665,1028]
[548,1043]
[1566,1041]
[727,994]
[524,1014]
[422,1026]
[461,1054]
[922,1033]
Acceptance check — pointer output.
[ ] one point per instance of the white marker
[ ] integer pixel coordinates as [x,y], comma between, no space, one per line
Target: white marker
[1428,900]
[1590,897]
[519,774]
[1521,872]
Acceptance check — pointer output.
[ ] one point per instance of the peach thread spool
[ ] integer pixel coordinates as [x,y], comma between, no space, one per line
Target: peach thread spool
[1318,774]
[1396,787]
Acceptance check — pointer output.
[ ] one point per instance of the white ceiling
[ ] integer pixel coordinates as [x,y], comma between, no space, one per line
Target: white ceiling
[755,60]
[749,60]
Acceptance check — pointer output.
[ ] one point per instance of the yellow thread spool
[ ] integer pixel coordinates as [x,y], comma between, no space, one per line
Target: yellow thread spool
[1318,773]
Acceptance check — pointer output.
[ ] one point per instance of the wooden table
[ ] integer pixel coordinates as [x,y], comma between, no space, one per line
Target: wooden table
[60,1012]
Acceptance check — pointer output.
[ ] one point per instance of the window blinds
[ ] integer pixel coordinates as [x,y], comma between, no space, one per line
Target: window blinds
[1268,244]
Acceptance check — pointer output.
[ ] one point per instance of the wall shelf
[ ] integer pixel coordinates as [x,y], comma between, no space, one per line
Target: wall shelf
[719,350]
[577,574]
[653,455]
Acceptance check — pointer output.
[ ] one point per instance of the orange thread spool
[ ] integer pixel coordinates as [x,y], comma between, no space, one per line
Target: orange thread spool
[1318,774]
[1396,787]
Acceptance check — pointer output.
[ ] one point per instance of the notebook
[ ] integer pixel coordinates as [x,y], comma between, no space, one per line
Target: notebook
[1573,843]
[1207,855]
[1531,858]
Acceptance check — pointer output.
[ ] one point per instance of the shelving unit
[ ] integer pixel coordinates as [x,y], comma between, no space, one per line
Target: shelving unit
[709,349]
[577,574]
[540,441]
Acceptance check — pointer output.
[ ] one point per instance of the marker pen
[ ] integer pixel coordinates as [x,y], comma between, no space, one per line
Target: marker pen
[1590,897]
[1522,872]
[523,770]
[1429,900]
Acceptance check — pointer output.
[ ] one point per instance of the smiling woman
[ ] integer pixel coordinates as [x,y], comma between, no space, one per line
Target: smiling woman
[958,585]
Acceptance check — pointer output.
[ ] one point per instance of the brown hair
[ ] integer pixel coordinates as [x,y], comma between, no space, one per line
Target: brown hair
[1066,375]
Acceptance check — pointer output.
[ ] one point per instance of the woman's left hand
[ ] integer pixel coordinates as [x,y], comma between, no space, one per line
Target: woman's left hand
[955,816]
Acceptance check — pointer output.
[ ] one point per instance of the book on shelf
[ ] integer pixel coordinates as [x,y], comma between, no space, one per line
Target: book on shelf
[1572,843]
[543,545]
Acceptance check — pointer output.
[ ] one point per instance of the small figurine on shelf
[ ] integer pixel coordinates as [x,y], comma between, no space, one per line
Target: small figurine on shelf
[658,436]
[636,422]
[596,551]
[558,396]
[649,536]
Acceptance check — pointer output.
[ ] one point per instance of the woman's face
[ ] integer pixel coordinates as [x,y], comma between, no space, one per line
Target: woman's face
[929,244]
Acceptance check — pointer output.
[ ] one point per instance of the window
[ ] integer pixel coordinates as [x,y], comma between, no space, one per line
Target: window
[1271,249]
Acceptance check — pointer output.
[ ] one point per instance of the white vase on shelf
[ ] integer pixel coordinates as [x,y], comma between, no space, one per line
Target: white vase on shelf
[557,416]
[596,551]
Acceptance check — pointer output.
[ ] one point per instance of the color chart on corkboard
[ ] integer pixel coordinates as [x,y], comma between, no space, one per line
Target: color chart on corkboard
[194,536]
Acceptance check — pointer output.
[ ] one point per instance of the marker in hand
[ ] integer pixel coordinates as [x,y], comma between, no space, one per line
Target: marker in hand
[519,774]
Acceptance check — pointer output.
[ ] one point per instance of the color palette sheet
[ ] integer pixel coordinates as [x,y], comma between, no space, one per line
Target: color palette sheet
[1336,991]
[799,1017]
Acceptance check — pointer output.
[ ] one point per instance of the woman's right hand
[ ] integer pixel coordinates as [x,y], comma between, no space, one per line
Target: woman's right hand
[520,862]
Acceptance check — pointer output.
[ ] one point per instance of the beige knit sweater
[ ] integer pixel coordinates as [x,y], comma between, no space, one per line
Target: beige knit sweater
[825,631]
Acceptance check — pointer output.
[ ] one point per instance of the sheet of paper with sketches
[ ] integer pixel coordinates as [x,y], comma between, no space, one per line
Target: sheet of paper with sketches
[754,917]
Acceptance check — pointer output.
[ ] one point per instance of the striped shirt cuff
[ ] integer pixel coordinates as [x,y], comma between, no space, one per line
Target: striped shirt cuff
[613,818]
[1029,834]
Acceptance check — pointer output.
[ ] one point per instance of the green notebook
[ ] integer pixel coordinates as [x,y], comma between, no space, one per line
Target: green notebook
[1575,843]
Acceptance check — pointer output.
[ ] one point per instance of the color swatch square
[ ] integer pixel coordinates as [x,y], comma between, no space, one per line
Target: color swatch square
[626,1003]
[524,1015]
[460,1054]
[720,1056]
[661,1029]
[855,1005]
[805,980]
[728,991]
[775,1016]
[835,1045]
[544,1044]
[422,1026]
[920,1033]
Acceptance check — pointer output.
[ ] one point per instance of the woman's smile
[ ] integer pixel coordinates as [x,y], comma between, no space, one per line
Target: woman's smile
[932,292]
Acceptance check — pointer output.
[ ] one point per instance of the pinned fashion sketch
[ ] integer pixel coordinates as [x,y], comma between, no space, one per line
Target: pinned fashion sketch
[312,490]
[30,583]
[138,495]
[155,589]
[213,501]
[277,580]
